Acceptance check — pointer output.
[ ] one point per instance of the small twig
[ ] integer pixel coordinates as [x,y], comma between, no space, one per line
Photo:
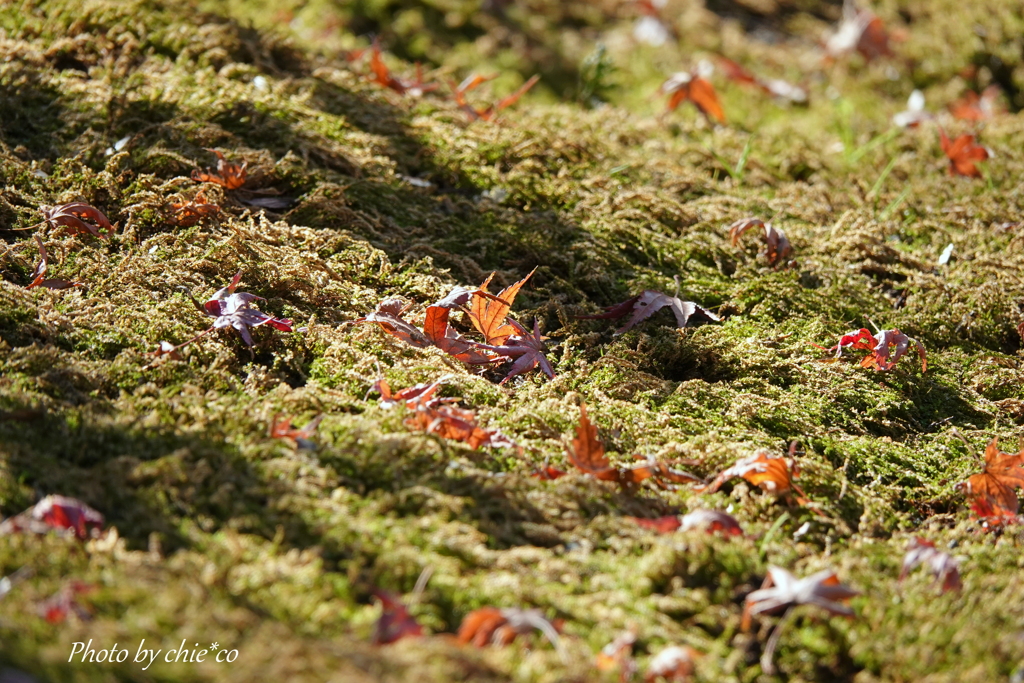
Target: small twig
[196,338]
[955,432]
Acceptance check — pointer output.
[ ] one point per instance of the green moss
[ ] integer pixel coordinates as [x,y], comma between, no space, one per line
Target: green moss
[223,533]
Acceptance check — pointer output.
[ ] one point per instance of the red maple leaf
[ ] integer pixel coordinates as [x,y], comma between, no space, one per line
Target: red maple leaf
[395,622]
[649,302]
[963,154]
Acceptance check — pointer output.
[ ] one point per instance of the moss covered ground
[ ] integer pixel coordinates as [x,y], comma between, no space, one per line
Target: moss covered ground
[218,532]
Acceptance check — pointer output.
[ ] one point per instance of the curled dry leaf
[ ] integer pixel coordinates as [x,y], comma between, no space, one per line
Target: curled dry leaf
[39,275]
[861,31]
[777,246]
[56,608]
[587,454]
[227,175]
[711,521]
[782,590]
[886,348]
[618,656]
[191,212]
[770,473]
[673,664]
[75,215]
[992,493]
[389,399]
[389,316]
[490,625]
[62,513]
[778,88]
[548,473]
[975,107]
[282,429]
[963,154]
[649,302]
[489,113]
[395,622]
[944,566]
[382,76]
[693,87]
[433,415]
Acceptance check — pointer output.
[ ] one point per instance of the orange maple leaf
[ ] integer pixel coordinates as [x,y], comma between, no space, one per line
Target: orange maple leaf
[690,87]
[963,154]
[488,315]
[587,454]
[768,472]
[229,176]
[992,493]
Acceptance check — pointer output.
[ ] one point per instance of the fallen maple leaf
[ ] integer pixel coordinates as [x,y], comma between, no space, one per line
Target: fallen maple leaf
[383,76]
[692,87]
[431,414]
[441,335]
[282,429]
[227,175]
[711,521]
[412,396]
[488,314]
[772,86]
[587,454]
[859,30]
[39,275]
[389,317]
[231,309]
[189,213]
[992,493]
[548,473]
[886,348]
[777,246]
[662,525]
[56,608]
[395,622]
[488,113]
[992,518]
[974,107]
[74,215]
[646,304]
[617,655]
[770,473]
[674,664]
[490,625]
[781,591]
[56,512]
[942,565]
[526,349]
[456,424]
[963,154]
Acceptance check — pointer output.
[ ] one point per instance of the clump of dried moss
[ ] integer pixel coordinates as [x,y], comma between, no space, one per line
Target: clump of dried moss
[224,534]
